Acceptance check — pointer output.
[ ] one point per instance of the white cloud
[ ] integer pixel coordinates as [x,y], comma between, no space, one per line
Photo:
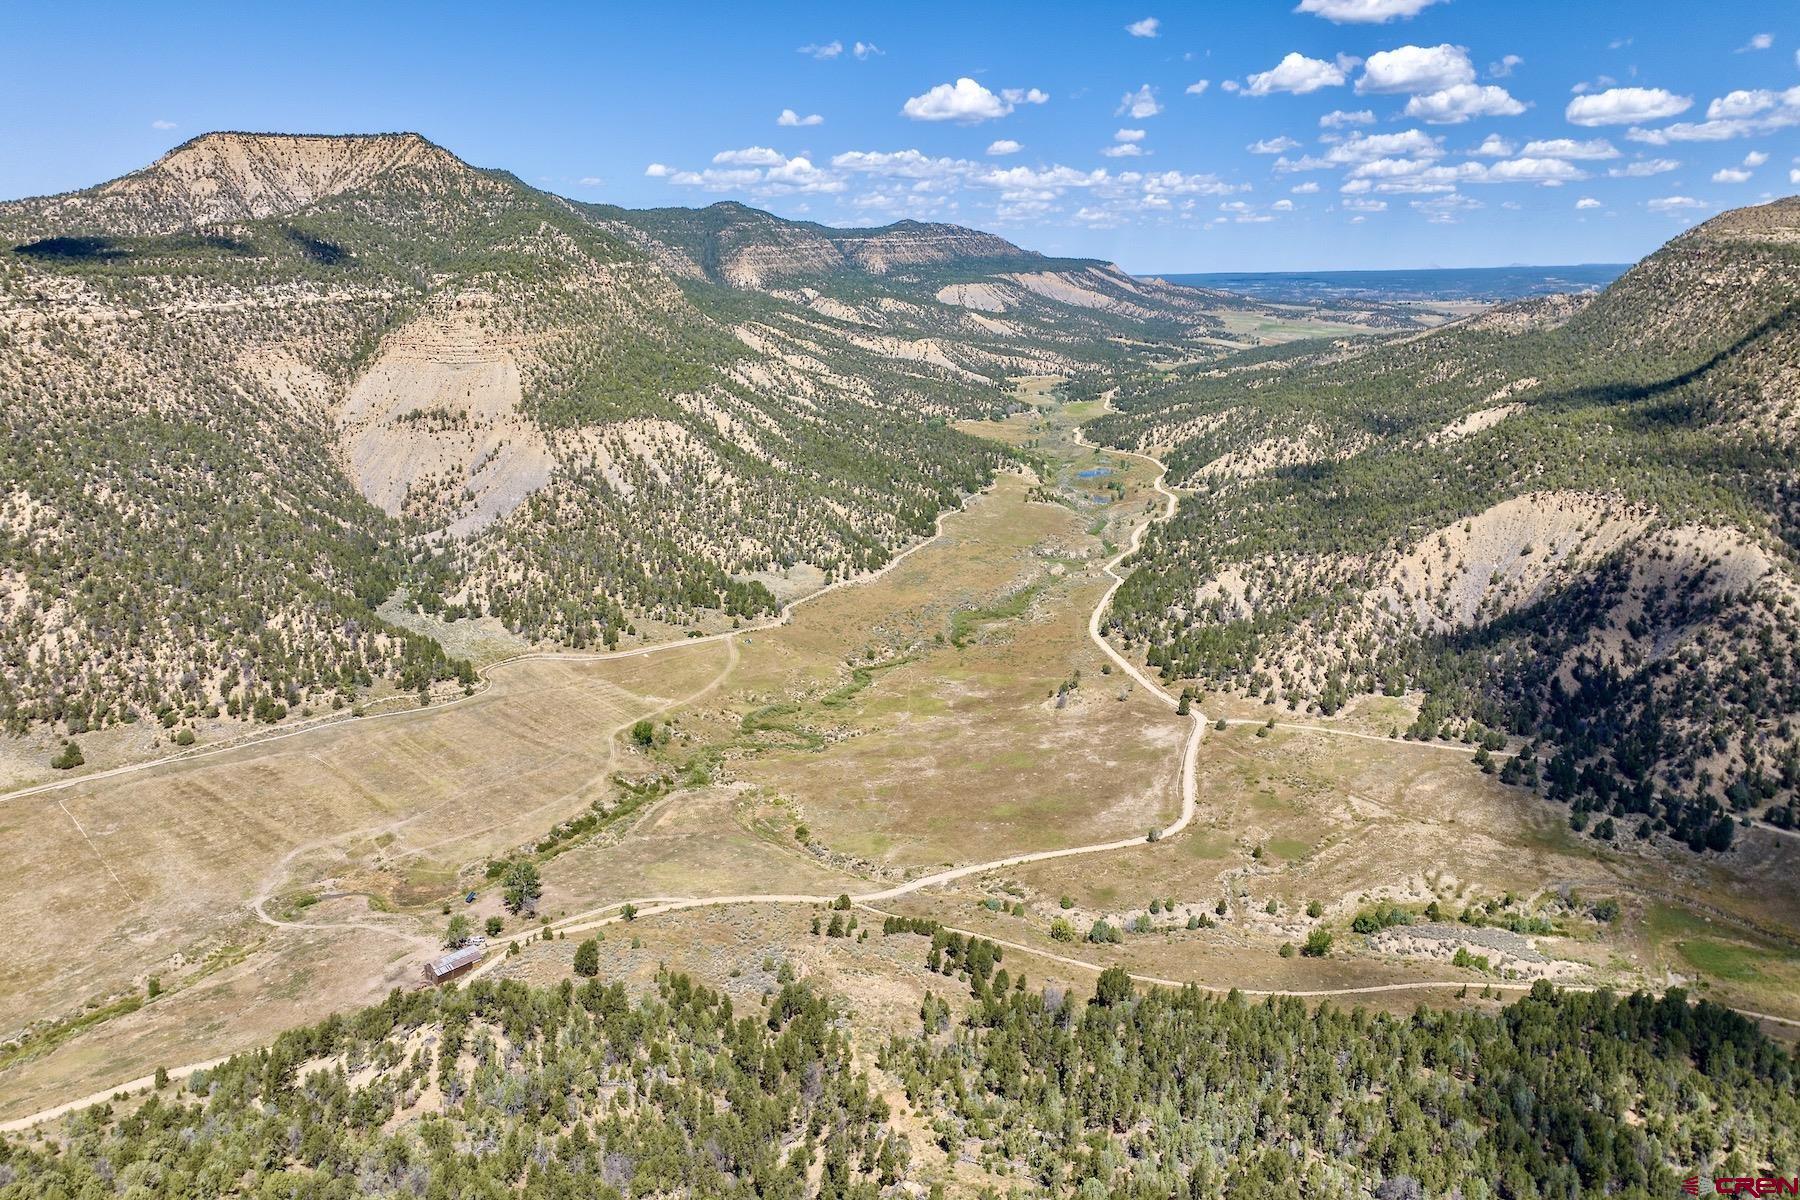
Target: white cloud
[1758,41]
[1367,147]
[750,156]
[1459,102]
[1416,69]
[1625,106]
[1363,205]
[1338,118]
[791,118]
[1444,210]
[1003,146]
[1730,175]
[1493,146]
[1363,12]
[1198,87]
[1275,145]
[1139,104]
[1308,188]
[658,171]
[965,100]
[1587,202]
[1643,168]
[1306,162]
[1129,135]
[1123,150]
[1024,96]
[1422,175]
[1282,206]
[591,181]
[1673,203]
[1146,28]
[1298,74]
[1755,158]
[1570,148]
[162,124]
[1735,114]
[866,50]
[822,50]
[1734,106]
[1794,174]
[1503,68]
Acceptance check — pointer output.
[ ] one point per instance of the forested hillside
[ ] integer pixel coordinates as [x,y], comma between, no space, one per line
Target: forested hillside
[578,1091]
[254,389]
[1572,520]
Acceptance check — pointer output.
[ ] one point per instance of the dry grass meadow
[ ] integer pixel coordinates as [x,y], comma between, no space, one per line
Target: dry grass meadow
[892,728]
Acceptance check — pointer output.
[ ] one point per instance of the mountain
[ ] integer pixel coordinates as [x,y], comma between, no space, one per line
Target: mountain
[1573,519]
[271,383]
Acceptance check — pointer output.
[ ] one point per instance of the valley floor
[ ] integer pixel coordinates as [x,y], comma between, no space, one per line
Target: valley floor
[948,739]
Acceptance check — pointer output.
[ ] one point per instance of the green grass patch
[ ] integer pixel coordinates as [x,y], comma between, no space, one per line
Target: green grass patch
[1724,960]
[964,621]
[1288,849]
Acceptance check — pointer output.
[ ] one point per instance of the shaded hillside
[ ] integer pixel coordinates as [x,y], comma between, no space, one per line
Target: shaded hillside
[1574,520]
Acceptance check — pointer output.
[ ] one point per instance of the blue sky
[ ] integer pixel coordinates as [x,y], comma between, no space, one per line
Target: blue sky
[1166,137]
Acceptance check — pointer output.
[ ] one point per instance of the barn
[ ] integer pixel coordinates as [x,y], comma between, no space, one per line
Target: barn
[444,966]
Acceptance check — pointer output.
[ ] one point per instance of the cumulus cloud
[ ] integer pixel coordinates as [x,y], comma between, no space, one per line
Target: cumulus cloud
[1758,41]
[1735,106]
[1446,209]
[1308,188]
[965,100]
[1363,204]
[1643,168]
[1587,202]
[1416,69]
[1673,203]
[1198,87]
[1755,158]
[1367,147]
[1570,148]
[591,181]
[1003,146]
[750,156]
[162,124]
[1024,96]
[1363,12]
[1339,119]
[1298,74]
[1146,28]
[1493,146]
[866,50]
[791,118]
[822,50]
[1423,175]
[1459,102]
[1123,150]
[1735,114]
[1139,104]
[1730,175]
[1503,68]
[1625,106]
[757,170]
[1274,145]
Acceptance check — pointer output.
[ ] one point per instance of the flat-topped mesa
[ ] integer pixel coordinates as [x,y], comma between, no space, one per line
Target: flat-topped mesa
[224,177]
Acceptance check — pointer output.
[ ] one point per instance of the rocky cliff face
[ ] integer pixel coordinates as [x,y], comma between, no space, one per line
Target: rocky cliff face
[222,178]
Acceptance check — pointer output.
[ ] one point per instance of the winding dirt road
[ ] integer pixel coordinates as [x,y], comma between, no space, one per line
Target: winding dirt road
[614,912]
